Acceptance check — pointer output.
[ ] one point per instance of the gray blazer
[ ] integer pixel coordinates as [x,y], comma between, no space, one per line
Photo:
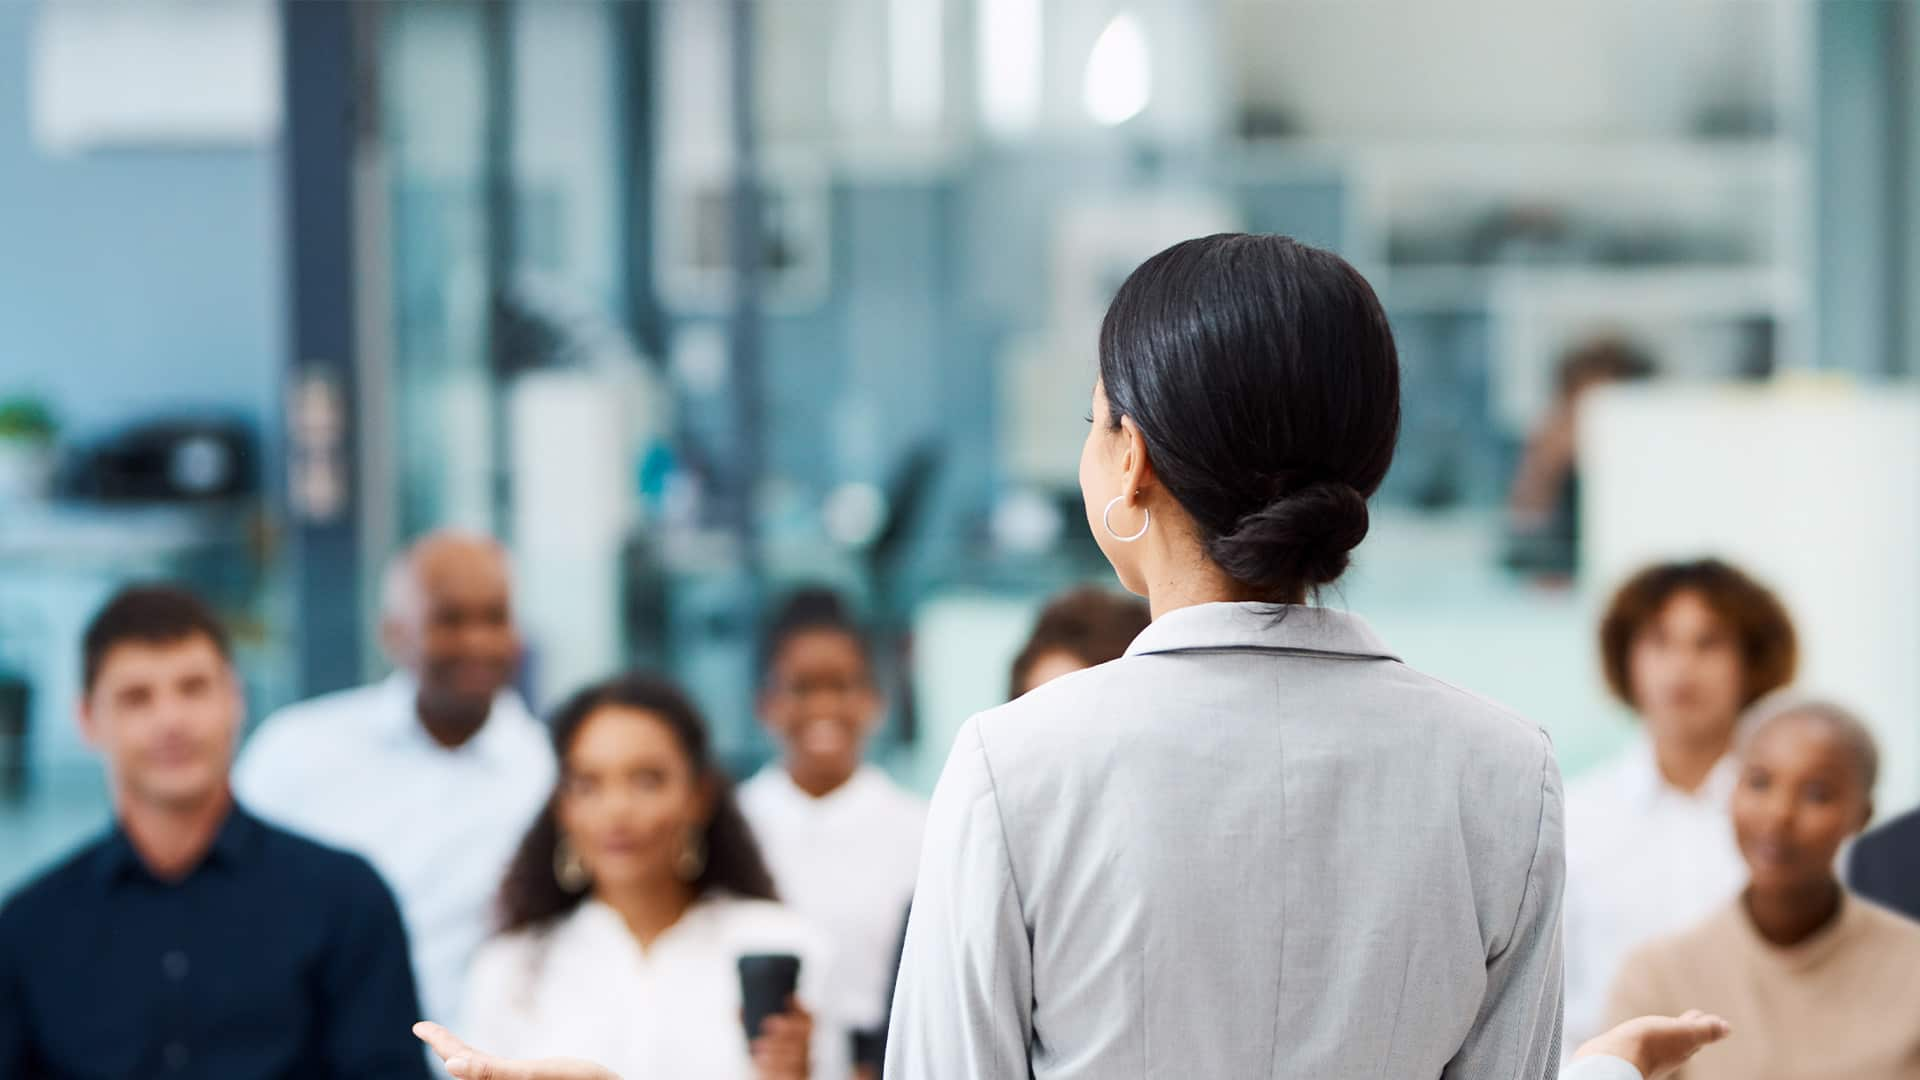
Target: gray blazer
[1248,848]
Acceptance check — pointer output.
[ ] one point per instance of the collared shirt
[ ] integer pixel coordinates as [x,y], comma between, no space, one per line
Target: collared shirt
[583,986]
[1644,860]
[357,770]
[1253,846]
[846,861]
[274,959]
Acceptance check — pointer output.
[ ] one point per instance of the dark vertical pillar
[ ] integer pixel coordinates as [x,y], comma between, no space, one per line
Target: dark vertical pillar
[324,46]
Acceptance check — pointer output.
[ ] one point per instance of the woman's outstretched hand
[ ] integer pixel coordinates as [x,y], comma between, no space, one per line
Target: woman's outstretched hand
[466,1063]
[1658,1045]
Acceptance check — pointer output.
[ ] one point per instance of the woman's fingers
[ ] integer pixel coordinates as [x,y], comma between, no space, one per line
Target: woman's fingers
[444,1043]
[782,1050]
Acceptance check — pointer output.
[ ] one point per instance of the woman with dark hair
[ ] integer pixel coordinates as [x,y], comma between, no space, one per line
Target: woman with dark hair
[1687,646]
[1257,844]
[842,839]
[1080,628]
[631,899]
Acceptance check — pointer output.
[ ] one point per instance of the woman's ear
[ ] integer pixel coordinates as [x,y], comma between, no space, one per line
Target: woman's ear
[1136,463]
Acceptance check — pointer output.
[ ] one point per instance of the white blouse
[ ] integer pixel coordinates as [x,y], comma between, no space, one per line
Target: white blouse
[1644,860]
[582,986]
[846,862]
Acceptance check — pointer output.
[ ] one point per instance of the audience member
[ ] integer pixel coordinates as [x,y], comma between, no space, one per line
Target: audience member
[192,939]
[1818,983]
[1884,865]
[1543,505]
[842,839]
[432,774]
[1079,628]
[1687,646]
[630,902]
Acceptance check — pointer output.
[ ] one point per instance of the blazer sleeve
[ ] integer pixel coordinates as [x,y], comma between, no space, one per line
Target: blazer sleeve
[963,1007]
[1517,1033]
[1601,1068]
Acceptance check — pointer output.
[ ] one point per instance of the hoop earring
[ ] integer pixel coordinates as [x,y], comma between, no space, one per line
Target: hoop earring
[569,869]
[692,861]
[1106,518]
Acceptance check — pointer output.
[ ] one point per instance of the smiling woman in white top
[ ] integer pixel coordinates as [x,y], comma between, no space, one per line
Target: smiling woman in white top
[842,840]
[630,903]
[1650,850]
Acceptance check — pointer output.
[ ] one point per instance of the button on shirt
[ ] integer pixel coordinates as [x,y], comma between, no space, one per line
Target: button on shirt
[356,769]
[847,862]
[1644,860]
[274,959]
[582,986]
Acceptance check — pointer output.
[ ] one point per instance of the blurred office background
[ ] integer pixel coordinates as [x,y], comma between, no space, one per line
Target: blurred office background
[690,300]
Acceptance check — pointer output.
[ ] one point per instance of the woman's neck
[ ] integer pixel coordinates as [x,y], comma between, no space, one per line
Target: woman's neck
[818,783]
[1686,765]
[649,910]
[1184,577]
[1790,916]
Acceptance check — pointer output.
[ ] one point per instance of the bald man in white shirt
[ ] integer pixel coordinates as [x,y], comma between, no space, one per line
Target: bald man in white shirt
[433,774]
[1650,1048]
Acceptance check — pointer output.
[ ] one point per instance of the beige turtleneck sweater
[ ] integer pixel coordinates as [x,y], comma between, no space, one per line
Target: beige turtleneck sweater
[1842,1005]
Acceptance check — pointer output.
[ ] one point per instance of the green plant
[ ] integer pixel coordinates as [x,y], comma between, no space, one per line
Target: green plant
[25,420]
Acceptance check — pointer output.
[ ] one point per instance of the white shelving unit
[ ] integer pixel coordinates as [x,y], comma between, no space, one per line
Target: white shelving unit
[1583,123]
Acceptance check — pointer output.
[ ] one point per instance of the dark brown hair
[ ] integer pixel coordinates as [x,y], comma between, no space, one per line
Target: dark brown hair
[1602,359]
[1092,625]
[1768,647]
[148,615]
[810,609]
[531,895]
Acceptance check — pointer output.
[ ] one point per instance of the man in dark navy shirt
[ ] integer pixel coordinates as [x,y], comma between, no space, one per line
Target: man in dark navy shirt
[192,940]
[1884,865]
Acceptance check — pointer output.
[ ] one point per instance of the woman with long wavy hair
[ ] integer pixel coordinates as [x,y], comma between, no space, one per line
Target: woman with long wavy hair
[630,901]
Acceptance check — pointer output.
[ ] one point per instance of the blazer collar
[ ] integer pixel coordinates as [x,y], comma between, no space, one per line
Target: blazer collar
[1272,627]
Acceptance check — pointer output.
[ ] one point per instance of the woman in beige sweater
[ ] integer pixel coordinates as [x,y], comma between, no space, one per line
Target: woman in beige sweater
[1818,984]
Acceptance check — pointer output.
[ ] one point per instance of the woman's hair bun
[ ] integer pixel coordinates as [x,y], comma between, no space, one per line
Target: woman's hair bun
[1303,538]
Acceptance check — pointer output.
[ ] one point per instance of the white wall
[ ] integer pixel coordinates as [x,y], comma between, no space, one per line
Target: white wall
[1411,69]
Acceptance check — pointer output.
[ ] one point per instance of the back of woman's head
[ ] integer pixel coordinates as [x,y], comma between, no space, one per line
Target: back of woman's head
[1263,377]
[532,893]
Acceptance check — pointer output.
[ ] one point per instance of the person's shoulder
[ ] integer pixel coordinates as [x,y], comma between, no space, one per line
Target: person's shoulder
[326,720]
[1708,940]
[339,876]
[1704,945]
[510,950]
[757,790]
[521,725]
[50,892]
[1894,840]
[1057,711]
[1896,930]
[1487,724]
[1599,789]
